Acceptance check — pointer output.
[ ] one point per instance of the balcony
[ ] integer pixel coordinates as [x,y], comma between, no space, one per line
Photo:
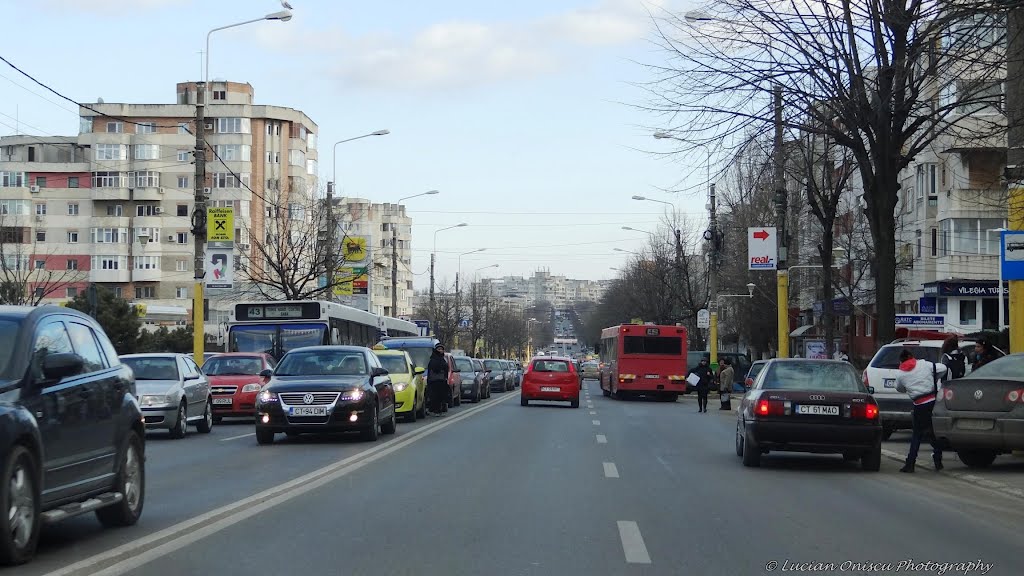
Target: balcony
[153,275]
[973,266]
[111,193]
[110,222]
[153,194]
[110,275]
[976,132]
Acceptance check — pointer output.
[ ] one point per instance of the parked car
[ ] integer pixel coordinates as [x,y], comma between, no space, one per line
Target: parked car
[324,389]
[73,441]
[881,374]
[752,373]
[473,387]
[551,378]
[982,414]
[407,379]
[591,370]
[172,391]
[420,349]
[514,372]
[208,355]
[804,405]
[235,381]
[498,377]
[454,382]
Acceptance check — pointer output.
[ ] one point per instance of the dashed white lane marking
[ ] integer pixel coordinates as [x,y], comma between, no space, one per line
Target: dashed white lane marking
[237,437]
[596,422]
[602,439]
[633,543]
[593,412]
[610,471]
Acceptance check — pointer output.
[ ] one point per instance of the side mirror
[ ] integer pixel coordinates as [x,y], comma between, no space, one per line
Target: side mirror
[418,370]
[266,373]
[59,366]
[871,389]
[377,372]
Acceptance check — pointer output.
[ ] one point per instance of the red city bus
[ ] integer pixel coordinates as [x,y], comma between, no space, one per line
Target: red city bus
[643,360]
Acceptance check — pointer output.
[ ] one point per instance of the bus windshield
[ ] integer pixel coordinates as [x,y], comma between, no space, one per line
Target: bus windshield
[275,339]
[668,345]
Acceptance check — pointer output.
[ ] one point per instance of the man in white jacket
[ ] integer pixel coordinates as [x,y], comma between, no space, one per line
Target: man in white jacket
[920,380]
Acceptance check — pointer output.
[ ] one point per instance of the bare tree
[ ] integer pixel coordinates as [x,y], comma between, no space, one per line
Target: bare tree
[31,269]
[883,79]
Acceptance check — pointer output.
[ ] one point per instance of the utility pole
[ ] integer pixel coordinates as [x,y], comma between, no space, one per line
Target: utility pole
[199,228]
[1015,162]
[432,258]
[330,266]
[394,268]
[713,278]
[781,208]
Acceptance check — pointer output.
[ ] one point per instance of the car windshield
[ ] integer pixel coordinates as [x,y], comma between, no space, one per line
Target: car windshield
[323,363]
[420,356]
[798,375]
[394,364]
[463,364]
[889,356]
[550,366]
[233,366]
[153,368]
[493,365]
[1009,367]
[8,336]
[590,365]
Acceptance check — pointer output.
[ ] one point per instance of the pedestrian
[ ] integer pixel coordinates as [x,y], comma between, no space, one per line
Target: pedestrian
[703,373]
[844,356]
[953,358]
[726,376]
[984,352]
[919,379]
[437,381]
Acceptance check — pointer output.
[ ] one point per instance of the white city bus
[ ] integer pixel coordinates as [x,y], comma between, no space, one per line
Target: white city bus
[277,327]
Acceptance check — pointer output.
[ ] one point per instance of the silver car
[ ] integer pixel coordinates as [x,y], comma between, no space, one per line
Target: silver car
[173,392]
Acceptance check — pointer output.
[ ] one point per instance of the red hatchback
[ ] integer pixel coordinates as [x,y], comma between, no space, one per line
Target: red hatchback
[235,381]
[551,378]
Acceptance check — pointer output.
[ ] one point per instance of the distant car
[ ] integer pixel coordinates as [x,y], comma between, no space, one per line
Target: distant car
[516,373]
[410,386]
[173,392]
[235,381]
[803,405]
[208,355]
[498,377]
[982,414]
[473,387]
[454,382]
[591,370]
[752,373]
[324,389]
[551,378]
[71,434]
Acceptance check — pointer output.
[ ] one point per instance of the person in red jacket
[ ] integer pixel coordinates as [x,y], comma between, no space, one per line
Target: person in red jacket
[920,380]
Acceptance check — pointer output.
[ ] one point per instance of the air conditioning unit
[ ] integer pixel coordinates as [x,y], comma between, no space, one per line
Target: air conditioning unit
[207,192]
[158,210]
[171,238]
[33,189]
[243,247]
[160,190]
[209,125]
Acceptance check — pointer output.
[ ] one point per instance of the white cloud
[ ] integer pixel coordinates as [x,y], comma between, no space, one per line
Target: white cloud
[610,22]
[108,7]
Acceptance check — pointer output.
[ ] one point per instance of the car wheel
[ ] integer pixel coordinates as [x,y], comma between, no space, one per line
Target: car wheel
[739,439]
[478,395]
[575,403]
[19,500]
[458,397]
[264,436]
[872,459]
[205,426]
[391,425]
[423,407]
[976,458]
[372,432]
[131,483]
[181,426]
[217,419]
[523,401]
[751,452]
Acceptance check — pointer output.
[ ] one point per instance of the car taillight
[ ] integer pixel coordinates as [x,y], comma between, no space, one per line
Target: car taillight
[770,408]
[864,411]
[1015,396]
[871,411]
[947,394]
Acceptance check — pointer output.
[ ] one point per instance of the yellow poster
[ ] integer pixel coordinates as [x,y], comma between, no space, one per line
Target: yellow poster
[220,225]
[343,282]
[353,249]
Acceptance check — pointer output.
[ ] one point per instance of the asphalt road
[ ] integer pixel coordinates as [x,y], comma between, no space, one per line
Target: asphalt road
[617,488]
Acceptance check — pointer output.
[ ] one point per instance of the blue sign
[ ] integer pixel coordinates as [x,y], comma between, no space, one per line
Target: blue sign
[921,320]
[1011,254]
[927,305]
[424,326]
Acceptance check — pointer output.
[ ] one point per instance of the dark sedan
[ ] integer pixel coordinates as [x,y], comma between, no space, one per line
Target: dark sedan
[982,414]
[325,389]
[817,406]
[474,378]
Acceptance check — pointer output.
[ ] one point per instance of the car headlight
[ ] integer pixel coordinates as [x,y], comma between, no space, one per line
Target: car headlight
[499,377]
[268,396]
[352,395]
[401,386]
[150,400]
[254,387]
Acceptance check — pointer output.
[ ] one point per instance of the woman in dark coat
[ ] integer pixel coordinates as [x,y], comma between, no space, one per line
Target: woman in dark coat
[437,381]
[703,371]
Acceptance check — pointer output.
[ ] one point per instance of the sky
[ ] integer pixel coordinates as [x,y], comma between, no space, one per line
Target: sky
[523,114]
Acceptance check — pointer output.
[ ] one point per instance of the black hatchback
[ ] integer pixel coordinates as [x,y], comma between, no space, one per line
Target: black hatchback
[73,438]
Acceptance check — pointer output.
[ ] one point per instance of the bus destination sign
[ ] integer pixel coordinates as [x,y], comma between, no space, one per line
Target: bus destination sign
[277,311]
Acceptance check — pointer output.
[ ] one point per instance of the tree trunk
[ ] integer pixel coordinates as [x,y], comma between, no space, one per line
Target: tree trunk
[883,233]
[827,315]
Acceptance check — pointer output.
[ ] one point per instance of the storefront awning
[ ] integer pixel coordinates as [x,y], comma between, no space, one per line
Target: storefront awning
[801,331]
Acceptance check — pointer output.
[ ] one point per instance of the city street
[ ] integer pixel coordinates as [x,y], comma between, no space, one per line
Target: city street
[494,488]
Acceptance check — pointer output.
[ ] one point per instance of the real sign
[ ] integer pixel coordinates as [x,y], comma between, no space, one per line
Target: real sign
[762,249]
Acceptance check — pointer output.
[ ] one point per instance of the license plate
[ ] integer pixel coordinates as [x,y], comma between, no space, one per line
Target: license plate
[889,382]
[652,376]
[308,411]
[550,389]
[220,401]
[974,424]
[815,410]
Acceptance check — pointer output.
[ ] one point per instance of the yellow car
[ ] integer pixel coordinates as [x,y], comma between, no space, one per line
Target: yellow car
[410,386]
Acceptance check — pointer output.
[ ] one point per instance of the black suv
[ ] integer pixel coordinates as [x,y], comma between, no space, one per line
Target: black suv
[71,432]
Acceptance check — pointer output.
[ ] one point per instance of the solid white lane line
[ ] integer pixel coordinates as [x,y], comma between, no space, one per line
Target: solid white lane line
[633,543]
[610,471]
[596,422]
[141,551]
[237,437]
[602,439]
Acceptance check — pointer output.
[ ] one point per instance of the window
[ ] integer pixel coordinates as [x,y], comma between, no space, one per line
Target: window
[233,151]
[232,125]
[181,265]
[869,326]
[110,262]
[228,180]
[271,155]
[85,125]
[14,207]
[72,292]
[182,237]
[182,181]
[13,179]
[182,210]
[40,235]
[943,306]
[115,127]
[147,210]
[72,237]
[72,181]
[109,180]
[220,95]
[181,293]
[148,179]
[183,128]
[270,128]
[72,264]
[40,209]
[110,235]
[311,167]
[147,152]
[311,142]
[296,157]
[672,345]
[152,233]
[41,181]
[31,153]
[50,339]
[979,97]
[968,236]
[147,263]
[111,152]
[296,211]
[968,312]
[946,242]
[119,291]
[917,237]
[115,210]
[40,265]
[145,292]
[935,239]
[145,128]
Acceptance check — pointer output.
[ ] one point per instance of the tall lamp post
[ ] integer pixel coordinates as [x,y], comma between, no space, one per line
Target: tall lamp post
[199,213]
[433,259]
[999,291]
[458,311]
[394,250]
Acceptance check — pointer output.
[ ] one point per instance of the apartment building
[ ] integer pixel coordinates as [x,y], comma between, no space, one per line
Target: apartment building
[117,198]
[543,286]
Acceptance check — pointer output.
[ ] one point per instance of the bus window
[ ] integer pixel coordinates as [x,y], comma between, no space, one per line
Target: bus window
[670,345]
[253,338]
[300,335]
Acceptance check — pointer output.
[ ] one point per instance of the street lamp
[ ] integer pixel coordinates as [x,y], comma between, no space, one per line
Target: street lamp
[999,264]
[283,16]
[433,258]
[394,241]
[334,154]
[627,251]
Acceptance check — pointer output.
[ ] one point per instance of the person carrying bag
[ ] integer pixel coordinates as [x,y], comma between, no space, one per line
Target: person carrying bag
[726,376]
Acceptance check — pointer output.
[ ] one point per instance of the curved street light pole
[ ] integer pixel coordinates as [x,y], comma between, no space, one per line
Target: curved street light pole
[433,259]
[394,249]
